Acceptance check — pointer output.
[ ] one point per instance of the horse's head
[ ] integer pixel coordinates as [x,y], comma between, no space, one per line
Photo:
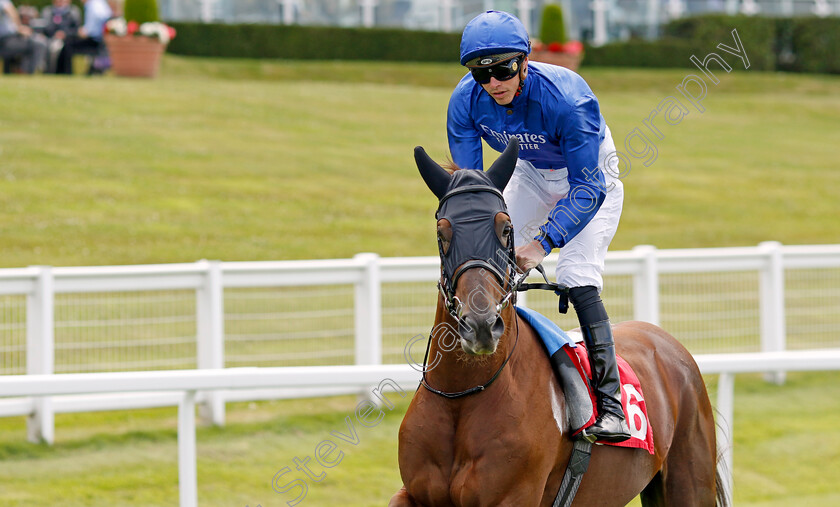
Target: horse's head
[475,240]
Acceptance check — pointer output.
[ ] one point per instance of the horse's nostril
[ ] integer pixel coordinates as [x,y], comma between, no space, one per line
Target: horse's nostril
[480,334]
[498,327]
[467,328]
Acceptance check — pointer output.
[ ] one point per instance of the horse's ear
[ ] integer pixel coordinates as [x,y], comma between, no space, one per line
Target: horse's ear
[502,169]
[435,176]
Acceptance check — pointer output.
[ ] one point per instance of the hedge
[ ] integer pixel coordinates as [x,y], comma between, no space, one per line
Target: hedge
[757,35]
[666,52]
[806,44]
[312,42]
[814,46]
[799,44]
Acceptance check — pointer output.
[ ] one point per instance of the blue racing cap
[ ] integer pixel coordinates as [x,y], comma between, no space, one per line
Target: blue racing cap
[493,34]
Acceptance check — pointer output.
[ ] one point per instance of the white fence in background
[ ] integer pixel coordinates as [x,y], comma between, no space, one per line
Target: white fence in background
[216,315]
[183,386]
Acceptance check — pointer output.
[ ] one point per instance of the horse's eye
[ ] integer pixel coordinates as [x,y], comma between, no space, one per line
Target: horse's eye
[503,228]
[444,234]
[444,242]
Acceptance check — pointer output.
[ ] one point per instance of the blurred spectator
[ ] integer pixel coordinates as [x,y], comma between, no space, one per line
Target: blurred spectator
[61,20]
[28,14]
[18,41]
[88,39]
[116,8]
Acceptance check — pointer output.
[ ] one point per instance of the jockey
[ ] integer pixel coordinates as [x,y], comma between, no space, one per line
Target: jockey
[564,193]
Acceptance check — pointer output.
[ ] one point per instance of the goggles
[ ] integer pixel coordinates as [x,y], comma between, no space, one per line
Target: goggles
[502,71]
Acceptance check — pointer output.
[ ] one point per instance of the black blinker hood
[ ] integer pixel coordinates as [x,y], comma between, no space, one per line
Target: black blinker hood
[470,205]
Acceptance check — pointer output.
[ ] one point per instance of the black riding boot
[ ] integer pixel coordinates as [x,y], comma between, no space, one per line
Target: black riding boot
[597,333]
[610,426]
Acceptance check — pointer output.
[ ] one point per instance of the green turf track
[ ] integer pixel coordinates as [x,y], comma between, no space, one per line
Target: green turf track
[254,160]
[251,161]
[786,440]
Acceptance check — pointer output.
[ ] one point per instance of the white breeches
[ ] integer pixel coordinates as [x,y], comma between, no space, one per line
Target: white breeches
[532,193]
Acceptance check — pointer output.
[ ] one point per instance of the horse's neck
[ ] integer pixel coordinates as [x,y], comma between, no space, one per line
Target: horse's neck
[449,368]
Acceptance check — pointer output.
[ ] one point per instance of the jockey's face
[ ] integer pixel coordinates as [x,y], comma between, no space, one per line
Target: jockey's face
[503,92]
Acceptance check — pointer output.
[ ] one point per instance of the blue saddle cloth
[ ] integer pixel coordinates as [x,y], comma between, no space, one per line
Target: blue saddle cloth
[552,336]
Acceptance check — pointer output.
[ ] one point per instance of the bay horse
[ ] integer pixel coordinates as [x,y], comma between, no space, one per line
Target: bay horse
[491,427]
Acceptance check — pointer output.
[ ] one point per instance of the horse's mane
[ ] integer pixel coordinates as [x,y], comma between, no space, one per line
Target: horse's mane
[450,166]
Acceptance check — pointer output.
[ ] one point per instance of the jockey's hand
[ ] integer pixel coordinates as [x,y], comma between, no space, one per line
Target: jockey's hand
[528,256]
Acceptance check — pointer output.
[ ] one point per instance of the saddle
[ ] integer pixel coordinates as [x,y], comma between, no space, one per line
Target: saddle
[571,366]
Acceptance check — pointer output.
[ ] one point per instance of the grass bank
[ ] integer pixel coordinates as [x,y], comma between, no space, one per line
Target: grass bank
[255,160]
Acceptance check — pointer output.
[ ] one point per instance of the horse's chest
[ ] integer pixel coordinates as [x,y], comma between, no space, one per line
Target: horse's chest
[480,461]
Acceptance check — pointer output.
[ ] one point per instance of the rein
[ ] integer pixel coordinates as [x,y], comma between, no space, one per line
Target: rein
[518,285]
[472,390]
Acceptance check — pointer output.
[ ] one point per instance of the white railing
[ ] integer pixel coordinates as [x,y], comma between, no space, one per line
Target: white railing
[367,273]
[728,365]
[185,384]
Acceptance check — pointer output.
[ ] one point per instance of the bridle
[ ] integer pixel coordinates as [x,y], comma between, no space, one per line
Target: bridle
[509,279]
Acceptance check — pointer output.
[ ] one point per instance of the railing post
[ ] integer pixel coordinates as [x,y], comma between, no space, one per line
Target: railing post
[646,286]
[368,312]
[523,10]
[446,15]
[772,304]
[725,408]
[368,13]
[210,328]
[40,352]
[187,475]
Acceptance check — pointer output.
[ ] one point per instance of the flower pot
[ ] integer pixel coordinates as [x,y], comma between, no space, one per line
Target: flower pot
[561,58]
[134,56]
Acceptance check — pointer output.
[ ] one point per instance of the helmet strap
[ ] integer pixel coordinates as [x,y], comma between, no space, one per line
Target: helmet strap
[521,84]
[522,76]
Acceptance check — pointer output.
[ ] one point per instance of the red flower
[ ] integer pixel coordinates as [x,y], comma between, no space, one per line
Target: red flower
[555,47]
[574,47]
[171,32]
[132,27]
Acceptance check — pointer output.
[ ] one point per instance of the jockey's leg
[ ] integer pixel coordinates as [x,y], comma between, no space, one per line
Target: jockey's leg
[597,333]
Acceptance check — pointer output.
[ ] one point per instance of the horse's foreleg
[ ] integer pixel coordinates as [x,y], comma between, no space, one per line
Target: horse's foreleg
[402,499]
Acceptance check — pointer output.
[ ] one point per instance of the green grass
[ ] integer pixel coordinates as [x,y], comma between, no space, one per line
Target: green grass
[251,160]
[130,457]
[268,160]
[785,445]
[786,440]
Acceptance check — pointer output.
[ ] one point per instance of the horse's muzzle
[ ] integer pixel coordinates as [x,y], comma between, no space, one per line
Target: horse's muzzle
[480,333]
